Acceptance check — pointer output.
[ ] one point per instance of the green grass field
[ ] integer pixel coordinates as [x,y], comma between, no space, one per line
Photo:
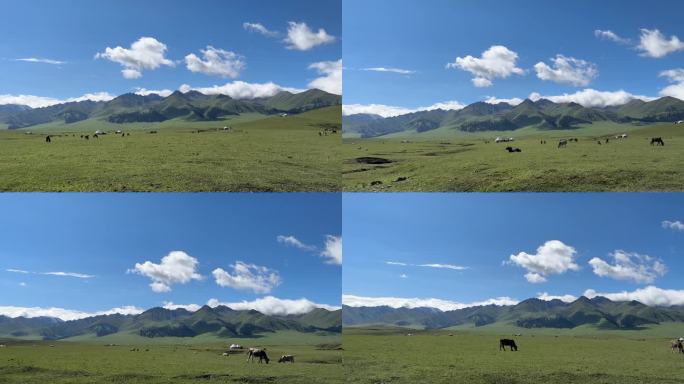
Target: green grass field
[170,360]
[386,355]
[463,162]
[259,154]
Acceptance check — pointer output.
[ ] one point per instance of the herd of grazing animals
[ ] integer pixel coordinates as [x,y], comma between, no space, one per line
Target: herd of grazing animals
[563,143]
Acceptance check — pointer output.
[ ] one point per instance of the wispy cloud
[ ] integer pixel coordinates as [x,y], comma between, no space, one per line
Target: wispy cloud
[56,273]
[429,265]
[41,60]
[390,70]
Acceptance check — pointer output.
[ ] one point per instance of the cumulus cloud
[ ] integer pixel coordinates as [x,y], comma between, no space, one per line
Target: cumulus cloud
[652,43]
[42,101]
[248,277]
[390,70]
[41,60]
[188,307]
[57,273]
[331,76]
[496,62]
[429,265]
[300,37]
[402,302]
[611,36]
[650,295]
[552,258]
[147,92]
[511,101]
[674,225]
[259,28]
[270,305]
[147,53]
[294,242]
[241,89]
[675,76]
[175,268]
[332,250]
[216,62]
[62,313]
[567,70]
[592,98]
[629,266]
[391,111]
[547,297]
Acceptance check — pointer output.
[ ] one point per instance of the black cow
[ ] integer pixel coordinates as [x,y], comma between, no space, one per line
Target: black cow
[48,139]
[503,343]
[657,141]
[511,149]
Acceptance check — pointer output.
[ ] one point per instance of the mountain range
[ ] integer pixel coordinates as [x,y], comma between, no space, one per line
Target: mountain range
[220,321]
[541,114]
[189,106]
[599,312]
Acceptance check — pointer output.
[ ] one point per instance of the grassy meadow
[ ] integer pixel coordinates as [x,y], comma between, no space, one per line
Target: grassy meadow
[170,360]
[455,161]
[388,355]
[258,153]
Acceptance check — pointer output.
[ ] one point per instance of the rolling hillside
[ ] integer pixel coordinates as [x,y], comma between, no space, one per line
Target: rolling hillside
[189,106]
[598,312]
[542,114]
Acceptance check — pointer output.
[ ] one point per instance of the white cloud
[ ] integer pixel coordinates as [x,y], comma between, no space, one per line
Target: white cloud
[547,297]
[592,98]
[248,277]
[57,273]
[147,92]
[629,266]
[552,258]
[429,265]
[402,302]
[147,53]
[650,295]
[294,242]
[188,307]
[612,36]
[496,62]
[302,38]
[175,268]
[259,28]
[390,70]
[22,284]
[674,225]
[391,111]
[41,101]
[217,62]
[652,43]
[331,76]
[270,305]
[675,76]
[511,101]
[403,276]
[64,314]
[332,251]
[241,89]
[41,60]
[567,70]
[396,263]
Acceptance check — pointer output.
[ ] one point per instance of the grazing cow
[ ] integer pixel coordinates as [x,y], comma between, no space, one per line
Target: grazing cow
[251,353]
[607,140]
[657,141]
[511,149]
[261,354]
[562,143]
[599,142]
[503,343]
[674,346]
[87,137]
[286,358]
[95,136]
[48,139]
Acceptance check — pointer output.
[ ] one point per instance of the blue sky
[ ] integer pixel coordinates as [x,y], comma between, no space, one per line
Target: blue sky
[620,246]
[423,38]
[71,33]
[104,235]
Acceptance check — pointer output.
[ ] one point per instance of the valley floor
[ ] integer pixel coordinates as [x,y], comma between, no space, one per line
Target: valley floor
[470,164]
[271,154]
[377,355]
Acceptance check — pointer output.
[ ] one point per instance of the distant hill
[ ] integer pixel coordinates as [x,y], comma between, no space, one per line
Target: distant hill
[220,321]
[531,313]
[542,114]
[190,106]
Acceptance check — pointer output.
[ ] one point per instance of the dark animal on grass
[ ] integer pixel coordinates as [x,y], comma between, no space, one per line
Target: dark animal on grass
[260,354]
[87,137]
[599,142]
[503,343]
[48,139]
[607,140]
[511,149]
[95,136]
[657,141]
[153,131]
[286,359]
[562,143]
[251,353]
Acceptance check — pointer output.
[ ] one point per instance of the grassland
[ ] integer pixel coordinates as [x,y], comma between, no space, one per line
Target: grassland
[388,355]
[170,360]
[258,154]
[437,161]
